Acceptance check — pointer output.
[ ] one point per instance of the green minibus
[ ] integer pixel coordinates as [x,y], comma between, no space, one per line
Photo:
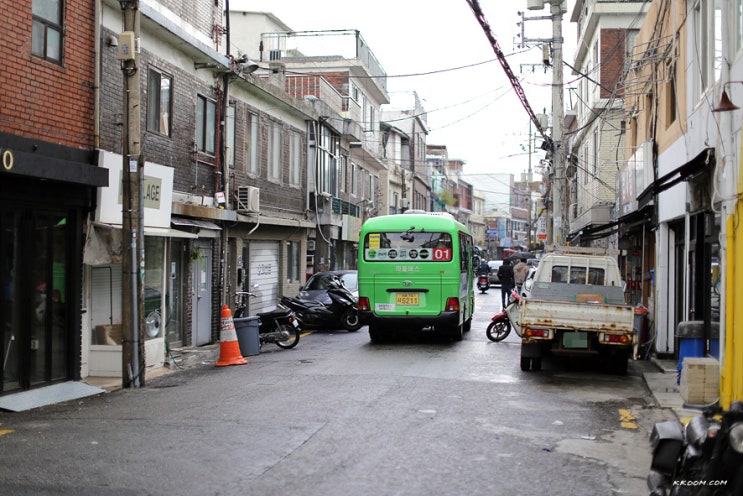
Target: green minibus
[415,273]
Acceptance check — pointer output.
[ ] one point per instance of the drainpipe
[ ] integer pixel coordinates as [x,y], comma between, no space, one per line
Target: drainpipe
[97,76]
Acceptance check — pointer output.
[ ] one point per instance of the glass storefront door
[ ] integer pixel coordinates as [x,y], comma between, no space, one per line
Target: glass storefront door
[34,263]
[174,297]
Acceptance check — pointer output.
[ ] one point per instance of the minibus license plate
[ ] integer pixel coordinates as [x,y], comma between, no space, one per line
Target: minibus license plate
[407,298]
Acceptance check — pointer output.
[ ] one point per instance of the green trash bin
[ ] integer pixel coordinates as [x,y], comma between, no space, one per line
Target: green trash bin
[248,339]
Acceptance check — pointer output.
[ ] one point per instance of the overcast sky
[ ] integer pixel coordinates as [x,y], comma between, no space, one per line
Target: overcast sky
[439,50]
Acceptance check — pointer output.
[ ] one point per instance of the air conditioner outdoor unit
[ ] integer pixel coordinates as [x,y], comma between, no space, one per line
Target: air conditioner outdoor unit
[248,199]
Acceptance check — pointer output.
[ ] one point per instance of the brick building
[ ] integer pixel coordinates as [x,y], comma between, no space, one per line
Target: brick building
[48,182]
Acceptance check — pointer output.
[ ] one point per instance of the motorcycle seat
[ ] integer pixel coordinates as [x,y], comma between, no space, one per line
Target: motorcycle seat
[274,314]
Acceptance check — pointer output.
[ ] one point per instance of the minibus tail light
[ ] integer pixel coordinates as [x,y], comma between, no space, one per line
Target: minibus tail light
[363,305]
[452,304]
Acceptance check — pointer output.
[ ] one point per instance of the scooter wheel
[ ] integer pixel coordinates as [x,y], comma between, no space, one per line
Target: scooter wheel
[350,321]
[498,329]
[292,340]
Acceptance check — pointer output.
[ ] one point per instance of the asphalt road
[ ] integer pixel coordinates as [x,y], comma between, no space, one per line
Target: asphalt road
[338,415]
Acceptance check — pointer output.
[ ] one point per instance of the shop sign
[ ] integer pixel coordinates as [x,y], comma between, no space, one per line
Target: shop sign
[157,193]
[7,159]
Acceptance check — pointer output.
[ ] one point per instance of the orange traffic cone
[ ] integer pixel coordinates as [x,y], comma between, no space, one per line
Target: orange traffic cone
[229,348]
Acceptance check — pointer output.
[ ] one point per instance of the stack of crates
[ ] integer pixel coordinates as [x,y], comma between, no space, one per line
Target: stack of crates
[700,380]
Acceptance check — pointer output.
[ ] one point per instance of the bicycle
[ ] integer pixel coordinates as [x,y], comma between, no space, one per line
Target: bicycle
[241,302]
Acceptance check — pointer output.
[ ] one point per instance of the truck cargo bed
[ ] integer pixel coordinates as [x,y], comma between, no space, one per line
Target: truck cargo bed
[575,315]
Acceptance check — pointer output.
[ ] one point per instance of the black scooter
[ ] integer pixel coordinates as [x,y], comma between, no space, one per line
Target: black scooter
[279,326]
[703,458]
[340,313]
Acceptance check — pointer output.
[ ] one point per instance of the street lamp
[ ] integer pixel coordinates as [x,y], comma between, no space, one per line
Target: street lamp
[726,104]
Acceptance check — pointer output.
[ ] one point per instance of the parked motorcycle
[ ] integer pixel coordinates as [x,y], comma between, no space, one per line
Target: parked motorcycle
[483,283]
[340,313]
[702,458]
[279,326]
[502,322]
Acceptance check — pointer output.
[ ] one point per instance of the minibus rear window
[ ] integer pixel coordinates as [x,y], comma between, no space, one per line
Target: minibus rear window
[408,246]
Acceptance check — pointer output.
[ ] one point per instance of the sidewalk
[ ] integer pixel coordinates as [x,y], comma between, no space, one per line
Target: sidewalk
[662,385]
[180,358]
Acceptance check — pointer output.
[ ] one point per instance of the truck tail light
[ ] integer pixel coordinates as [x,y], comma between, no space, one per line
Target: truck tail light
[537,333]
[452,304]
[363,304]
[616,338]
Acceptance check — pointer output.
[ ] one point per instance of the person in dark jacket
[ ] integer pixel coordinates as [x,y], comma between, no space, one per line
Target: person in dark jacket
[505,276]
[483,269]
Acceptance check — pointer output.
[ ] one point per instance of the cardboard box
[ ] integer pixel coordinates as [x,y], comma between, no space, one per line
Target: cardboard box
[109,334]
[590,298]
[700,380]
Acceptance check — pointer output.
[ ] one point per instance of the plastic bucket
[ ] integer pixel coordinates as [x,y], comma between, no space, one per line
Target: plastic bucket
[247,335]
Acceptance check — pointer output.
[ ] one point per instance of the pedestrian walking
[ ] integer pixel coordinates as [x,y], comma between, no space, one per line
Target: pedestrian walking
[505,276]
[520,271]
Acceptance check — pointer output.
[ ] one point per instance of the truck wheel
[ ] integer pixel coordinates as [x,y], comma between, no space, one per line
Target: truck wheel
[525,364]
[617,363]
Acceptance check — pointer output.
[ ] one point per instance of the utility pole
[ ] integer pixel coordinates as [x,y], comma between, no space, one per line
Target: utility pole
[132,175]
[556,217]
[528,192]
[224,166]
[558,119]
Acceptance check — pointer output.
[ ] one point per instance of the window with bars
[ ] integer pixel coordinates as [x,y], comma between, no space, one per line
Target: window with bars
[230,136]
[274,153]
[292,261]
[251,144]
[295,158]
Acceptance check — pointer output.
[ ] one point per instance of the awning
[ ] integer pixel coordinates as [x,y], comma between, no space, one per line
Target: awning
[104,242]
[627,222]
[275,221]
[705,159]
[202,224]
[596,232]
[168,233]
[152,231]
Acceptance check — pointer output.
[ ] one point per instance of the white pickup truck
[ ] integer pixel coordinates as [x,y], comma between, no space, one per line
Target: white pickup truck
[576,308]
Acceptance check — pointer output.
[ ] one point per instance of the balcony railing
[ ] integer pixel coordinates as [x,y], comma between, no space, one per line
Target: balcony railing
[341,207]
[345,44]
